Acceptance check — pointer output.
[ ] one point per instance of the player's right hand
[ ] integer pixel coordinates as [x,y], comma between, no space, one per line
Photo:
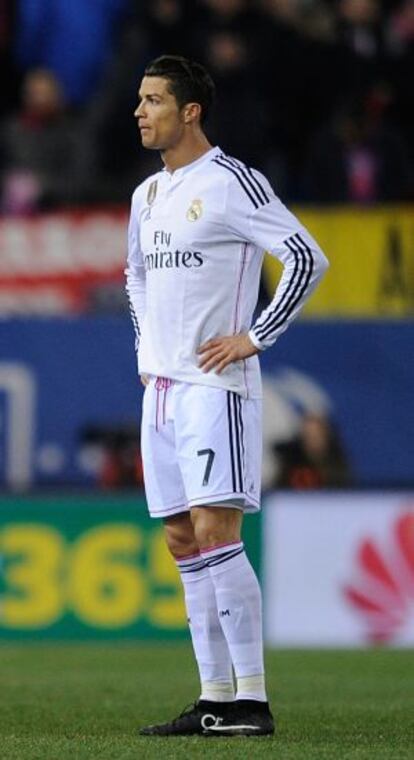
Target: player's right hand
[145,379]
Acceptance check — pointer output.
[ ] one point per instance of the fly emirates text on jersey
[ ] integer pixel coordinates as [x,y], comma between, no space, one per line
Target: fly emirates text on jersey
[160,259]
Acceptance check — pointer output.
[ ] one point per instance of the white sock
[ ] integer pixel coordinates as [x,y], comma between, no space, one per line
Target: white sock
[209,643]
[239,603]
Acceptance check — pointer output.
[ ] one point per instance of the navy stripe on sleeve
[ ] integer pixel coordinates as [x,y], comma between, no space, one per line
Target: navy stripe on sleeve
[134,317]
[297,286]
[240,179]
[249,177]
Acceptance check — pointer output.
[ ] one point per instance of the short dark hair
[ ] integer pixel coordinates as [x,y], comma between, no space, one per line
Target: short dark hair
[189,81]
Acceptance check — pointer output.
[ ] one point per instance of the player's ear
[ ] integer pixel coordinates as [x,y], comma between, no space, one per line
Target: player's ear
[192,113]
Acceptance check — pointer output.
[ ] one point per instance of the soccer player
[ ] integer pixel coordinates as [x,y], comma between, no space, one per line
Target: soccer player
[198,230]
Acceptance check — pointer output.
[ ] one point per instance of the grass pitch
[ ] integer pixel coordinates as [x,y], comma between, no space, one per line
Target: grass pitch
[83,702]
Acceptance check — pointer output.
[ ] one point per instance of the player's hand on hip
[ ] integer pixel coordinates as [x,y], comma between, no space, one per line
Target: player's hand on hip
[145,379]
[218,353]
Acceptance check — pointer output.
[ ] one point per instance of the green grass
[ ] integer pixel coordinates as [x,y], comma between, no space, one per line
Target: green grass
[83,701]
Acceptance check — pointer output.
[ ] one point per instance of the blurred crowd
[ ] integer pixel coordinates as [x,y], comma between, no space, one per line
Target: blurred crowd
[311,457]
[316,93]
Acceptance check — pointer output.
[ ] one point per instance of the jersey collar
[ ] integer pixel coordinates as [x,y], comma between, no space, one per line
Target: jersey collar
[178,173]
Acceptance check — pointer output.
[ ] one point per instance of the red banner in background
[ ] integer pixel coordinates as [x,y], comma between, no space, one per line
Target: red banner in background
[55,263]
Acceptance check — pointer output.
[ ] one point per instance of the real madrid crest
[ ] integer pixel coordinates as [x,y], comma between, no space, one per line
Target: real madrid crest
[195,210]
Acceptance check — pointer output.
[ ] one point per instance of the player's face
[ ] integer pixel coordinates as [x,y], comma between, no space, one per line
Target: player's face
[160,121]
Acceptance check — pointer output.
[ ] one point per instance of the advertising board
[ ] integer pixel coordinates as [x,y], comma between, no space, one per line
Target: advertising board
[90,566]
[339,569]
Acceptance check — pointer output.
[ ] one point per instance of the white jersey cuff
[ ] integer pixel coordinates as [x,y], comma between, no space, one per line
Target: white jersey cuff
[255,340]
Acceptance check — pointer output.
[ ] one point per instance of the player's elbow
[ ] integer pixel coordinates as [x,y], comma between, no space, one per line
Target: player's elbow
[321,263]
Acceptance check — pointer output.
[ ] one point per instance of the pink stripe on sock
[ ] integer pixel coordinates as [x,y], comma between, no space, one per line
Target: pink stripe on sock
[221,546]
[187,556]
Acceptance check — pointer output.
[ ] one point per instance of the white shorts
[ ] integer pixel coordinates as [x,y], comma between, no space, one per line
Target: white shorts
[200,446]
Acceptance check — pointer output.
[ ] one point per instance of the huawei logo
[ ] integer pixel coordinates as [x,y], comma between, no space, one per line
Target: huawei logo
[383,591]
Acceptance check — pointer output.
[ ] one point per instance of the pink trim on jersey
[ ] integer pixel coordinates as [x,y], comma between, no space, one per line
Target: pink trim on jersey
[220,546]
[243,263]
[237,307]
[245,378]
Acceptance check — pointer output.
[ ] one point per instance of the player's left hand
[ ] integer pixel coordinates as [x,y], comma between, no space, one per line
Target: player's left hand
[218,353]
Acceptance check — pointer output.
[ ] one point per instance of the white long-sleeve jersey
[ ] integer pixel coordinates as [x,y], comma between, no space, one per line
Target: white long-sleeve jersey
[196,242]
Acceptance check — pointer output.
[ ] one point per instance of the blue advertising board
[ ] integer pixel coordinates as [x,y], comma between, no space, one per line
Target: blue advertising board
[62,379]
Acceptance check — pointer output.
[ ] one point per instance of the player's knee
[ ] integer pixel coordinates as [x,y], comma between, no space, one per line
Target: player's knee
[215,525]
[179,536]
